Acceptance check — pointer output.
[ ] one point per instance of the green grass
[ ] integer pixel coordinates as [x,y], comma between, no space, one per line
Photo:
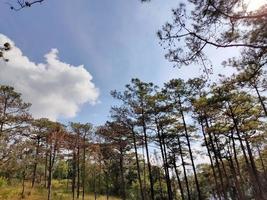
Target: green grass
[13,192]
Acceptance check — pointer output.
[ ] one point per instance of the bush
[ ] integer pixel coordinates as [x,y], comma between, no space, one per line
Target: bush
[3,181]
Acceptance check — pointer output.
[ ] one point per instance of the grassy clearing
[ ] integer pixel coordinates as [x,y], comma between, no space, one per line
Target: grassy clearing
[13,192]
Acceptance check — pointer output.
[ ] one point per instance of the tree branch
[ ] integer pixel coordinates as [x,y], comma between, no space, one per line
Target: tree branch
[238,17]
[23,4]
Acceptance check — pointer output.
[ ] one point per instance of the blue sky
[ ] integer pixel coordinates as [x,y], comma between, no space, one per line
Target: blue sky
[115,41]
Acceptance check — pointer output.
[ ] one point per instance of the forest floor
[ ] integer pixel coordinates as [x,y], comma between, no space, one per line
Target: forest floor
[13,192]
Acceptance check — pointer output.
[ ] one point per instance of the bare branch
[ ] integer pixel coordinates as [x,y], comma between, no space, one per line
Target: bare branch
[23,4]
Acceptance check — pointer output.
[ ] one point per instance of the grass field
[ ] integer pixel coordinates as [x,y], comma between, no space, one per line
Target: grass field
[13,192]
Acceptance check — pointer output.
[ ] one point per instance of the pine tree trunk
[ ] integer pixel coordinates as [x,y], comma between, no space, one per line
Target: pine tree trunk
[78,168]
[95,193]
[178,178]
[184,169]
[138,165]
[49,181]
[236,157]
[262,163]
[240,191]
[107,186]
[148,157]
[35,162]
[221,161]
[211,161]
[123,192]
[83,170]
[190,150]
[169,186]
[46,160]
[165,161]
[238,172]
[144,174]
[99,176]
[160,184]
[73,174]
[261,100]
[216,158]
[257,189]
[254,169]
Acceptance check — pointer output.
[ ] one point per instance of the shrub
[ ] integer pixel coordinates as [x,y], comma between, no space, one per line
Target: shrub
[3,181]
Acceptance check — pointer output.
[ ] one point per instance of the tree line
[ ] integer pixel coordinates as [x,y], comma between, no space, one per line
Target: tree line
[151,146]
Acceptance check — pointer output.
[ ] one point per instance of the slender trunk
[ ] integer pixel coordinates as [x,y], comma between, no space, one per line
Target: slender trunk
[216,159]
[238,172]
[261,100]
[144,174]
[138,165]
[83,170]
[220,155]
[36,161]
[190,150]
[211,161]
[228,185]
[178,178]
[46,160]
[169,186]
[257,189]
[254,169]
[99,175]
[240,191]
[236,157]
[95,194]
[52,156]
[148,160]
[165,161]
[233,187]
[123,193]
[160,184]
[147,150]
[73,174]
[162,196]
[49,181]
[262,163]
[4,115]
[107,185]
[184,169]
[78,169]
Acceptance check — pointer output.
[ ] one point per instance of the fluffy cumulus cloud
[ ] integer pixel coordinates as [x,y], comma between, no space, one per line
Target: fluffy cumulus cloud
[55,89]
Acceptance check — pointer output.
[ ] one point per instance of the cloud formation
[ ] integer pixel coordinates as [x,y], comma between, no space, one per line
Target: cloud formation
[55,89]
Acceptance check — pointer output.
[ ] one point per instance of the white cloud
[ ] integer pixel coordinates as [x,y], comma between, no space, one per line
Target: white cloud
[55,89]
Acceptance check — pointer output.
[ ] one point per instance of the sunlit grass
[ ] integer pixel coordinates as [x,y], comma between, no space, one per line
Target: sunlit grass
[13,192]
